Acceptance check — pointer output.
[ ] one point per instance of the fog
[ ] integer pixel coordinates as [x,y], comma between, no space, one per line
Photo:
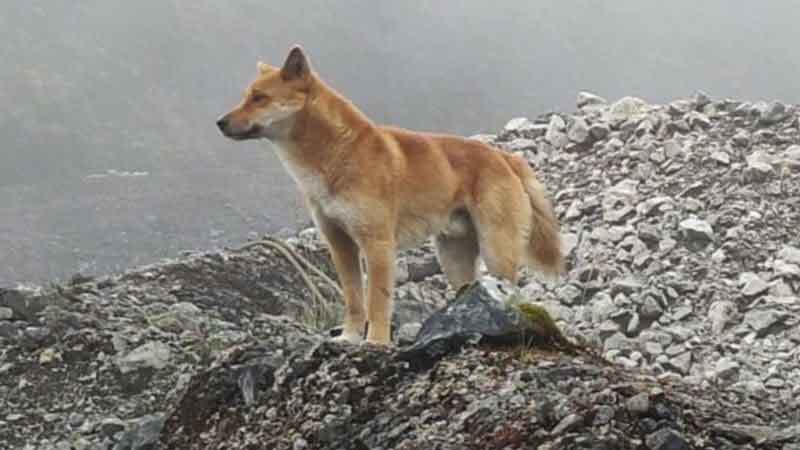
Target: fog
[109,156]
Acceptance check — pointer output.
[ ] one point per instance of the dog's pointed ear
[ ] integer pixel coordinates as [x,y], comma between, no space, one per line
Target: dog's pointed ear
[265,68]
[297,66]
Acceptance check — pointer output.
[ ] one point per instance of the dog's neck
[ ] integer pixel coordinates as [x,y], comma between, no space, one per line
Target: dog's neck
[323,131]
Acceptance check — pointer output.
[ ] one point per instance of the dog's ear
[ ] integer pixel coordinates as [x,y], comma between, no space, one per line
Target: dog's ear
[264,68]
[297,66]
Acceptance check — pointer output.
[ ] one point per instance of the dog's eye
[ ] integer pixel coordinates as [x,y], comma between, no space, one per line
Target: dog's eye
[258,97]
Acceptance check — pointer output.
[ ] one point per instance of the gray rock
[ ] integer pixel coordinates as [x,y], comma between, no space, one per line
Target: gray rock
[639,404]
[653,348]
[698,120]
[154,354]
[721,313]
[625,109]
[754,286]
[521,144]
[666,439]
[603,414]
[721,157]
[726,368]
[601,130]
[602,308]
[790,254]
[697,230]
[487,312]
[578,131]
[143,434]
[775,383]
[757,171]
[762,321]
[627,285]
[407,333]
[6,313]
[680,107]
[110,426]
[589,99]
[567,424]
[26,302]
[651,309]
[772,113]
[518,125]
[681,363]
[555,132]
[421,267]
[741,138]
[791,156]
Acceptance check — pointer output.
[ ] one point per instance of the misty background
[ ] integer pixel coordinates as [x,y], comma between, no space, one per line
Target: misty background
[109,156]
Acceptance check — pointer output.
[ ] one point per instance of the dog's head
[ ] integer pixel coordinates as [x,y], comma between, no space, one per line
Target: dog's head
[272,101]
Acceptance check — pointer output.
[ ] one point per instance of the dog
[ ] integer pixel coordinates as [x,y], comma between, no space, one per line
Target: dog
[374,190]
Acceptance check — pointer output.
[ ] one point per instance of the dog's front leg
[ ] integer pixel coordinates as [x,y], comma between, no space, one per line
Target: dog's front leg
[380,283]
[344,253]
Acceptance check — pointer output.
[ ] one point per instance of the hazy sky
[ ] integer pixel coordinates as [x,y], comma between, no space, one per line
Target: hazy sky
[93,85]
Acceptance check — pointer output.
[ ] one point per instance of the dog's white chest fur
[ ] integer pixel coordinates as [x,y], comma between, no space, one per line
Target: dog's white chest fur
[316,190]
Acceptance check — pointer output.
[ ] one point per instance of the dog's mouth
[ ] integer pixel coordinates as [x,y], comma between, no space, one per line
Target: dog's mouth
[254,132]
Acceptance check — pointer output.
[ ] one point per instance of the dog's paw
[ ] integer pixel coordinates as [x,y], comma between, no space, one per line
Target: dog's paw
[378,343]
[348,338]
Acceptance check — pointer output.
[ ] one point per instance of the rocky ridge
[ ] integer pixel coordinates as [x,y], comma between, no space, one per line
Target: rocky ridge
[684,273]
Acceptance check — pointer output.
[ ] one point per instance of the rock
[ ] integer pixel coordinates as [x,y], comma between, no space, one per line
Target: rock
[578,131]
[721,157]
[421,267]
[791,156]
[555,132]
[681,363]
[726,368]
[143,435]
[754,286]
[666,439]
[697,230]
[741,138]
[155,354]
[773,113]
[757,171]
[639,404]
[567,424]
[600,131]
[521,144]
[485,312]
[626,108]
[518,125]
[25,302]
[111,426]
[762,321]
[721,313]
[407,333]
[6,313]
[589,99]
[698,120]
[790,254]
[650,309]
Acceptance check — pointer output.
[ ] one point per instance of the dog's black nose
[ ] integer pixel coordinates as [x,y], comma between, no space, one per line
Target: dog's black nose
[223,123]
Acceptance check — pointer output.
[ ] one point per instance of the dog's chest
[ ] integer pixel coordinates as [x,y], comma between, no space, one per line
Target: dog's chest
[316,190]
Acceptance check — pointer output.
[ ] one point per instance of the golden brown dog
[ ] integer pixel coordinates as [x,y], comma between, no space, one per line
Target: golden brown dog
[374,190]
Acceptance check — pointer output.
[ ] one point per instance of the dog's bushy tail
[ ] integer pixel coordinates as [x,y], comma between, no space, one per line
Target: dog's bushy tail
[544,246]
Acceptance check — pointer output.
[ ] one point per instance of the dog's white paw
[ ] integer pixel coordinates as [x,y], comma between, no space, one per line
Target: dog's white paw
[350,338]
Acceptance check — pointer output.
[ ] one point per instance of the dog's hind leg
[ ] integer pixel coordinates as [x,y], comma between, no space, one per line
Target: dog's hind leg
[502,222]
[458,256]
